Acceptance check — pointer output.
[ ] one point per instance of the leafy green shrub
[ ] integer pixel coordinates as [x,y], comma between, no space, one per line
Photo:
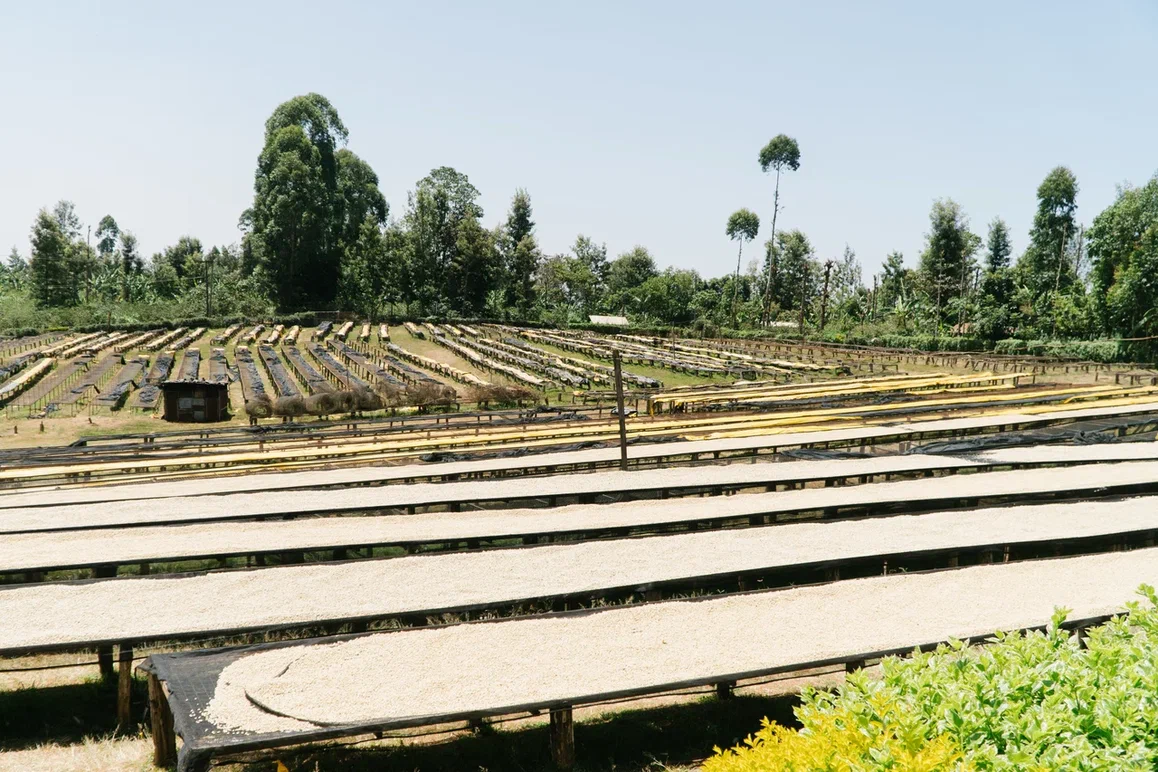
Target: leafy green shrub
[1035,701]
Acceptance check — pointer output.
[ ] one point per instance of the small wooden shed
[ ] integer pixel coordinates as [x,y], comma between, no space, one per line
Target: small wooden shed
[195,401]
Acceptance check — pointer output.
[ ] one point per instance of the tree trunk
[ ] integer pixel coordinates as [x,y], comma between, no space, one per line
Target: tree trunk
[736,283]
[768,285]
[938,319]
[803,299]
[964,296]
[824,296]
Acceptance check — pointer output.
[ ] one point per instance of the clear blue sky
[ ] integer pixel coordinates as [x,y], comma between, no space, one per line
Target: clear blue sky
[632,122]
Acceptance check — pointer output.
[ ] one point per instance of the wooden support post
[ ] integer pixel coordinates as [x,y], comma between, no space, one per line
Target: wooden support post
[724,690]
[105,662]
[161,720]
[562,738]
[124,686]
[617,361]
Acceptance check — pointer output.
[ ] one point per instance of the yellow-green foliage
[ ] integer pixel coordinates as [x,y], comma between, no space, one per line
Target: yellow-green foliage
[1032,702]
[873,735]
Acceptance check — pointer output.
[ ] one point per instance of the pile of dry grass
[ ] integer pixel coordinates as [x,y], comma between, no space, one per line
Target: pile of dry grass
[322,404]
[367,400]
[326,403]
[290,406]
[430,394]
[259,407]
[501,395]
[346,401]
[390,395]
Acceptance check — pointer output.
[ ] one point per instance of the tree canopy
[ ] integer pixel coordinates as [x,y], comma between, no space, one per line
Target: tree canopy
[947,260]
[1124,252]
[311,199]
[319,235]
[782,152]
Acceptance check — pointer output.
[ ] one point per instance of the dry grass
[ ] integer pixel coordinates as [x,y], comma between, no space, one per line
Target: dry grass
[43,679]
[108,754]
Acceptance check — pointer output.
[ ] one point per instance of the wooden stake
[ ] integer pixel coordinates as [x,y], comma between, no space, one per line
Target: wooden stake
[105,662]
[124,686]
[617,361]
[562,738]
[161,720]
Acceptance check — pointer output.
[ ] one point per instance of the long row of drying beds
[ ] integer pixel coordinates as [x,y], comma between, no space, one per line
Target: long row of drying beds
[600,487]
[979,390]
[44,539]
[236,439]
[130,610]
[246,437]
[737,434]
[472,484]
[281,695]
[271,696]
[570,426]
[107,611]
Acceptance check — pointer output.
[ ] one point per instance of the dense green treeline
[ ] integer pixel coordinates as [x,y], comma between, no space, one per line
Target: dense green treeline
[320,236]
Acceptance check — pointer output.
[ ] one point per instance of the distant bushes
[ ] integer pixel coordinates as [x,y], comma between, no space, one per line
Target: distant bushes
[1104,351]
[1089,350]
[302,319]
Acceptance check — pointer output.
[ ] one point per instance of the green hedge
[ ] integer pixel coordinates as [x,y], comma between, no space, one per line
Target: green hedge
[1089,350]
